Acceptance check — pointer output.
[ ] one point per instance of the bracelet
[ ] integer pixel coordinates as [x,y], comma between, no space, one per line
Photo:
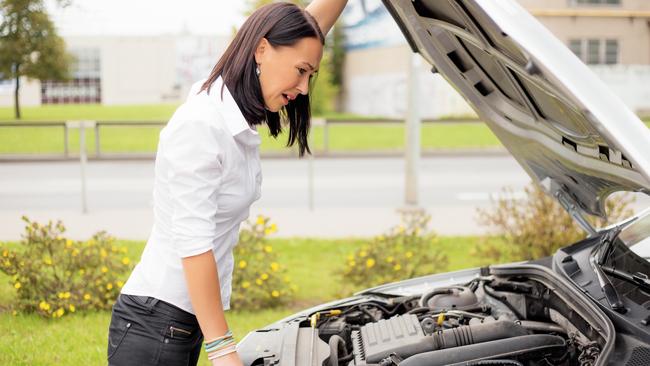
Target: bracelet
[223,352]
[225,343]
[228,334]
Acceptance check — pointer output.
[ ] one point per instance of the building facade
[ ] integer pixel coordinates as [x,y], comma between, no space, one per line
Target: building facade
[118,70]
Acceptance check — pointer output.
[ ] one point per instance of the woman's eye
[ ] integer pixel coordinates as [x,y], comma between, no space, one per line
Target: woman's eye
[301,71]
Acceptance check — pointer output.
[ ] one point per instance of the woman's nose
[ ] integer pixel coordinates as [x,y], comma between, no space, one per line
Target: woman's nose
[303,87]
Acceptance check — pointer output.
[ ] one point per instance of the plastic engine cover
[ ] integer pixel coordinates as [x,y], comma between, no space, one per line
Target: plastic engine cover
[375,338]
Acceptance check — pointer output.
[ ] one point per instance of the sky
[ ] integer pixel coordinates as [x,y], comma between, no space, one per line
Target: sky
[147,17]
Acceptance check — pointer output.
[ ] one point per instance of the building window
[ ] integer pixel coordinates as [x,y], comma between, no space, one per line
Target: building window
[593,51]
[85,85]
[575,45]
[611,51]
[596,51]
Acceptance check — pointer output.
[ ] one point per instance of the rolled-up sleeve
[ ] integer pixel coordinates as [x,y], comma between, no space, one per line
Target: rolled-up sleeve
[193,153]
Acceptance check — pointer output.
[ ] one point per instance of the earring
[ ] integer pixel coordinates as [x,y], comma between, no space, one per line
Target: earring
[257,70]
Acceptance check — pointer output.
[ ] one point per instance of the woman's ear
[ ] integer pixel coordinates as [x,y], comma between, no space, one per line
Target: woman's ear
[261,50]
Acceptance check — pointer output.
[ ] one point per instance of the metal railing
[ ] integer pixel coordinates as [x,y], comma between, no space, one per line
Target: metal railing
[66,126]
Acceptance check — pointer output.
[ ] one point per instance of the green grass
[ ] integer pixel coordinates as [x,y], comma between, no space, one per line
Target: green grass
[81,339]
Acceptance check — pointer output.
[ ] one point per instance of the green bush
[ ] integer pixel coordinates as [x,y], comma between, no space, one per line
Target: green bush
[537,225]
[259,281]
[55,276]
[405,251]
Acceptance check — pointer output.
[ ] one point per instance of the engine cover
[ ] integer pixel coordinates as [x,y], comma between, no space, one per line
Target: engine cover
[373,339]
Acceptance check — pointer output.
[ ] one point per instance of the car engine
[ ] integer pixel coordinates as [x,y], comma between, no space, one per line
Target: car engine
[489,321]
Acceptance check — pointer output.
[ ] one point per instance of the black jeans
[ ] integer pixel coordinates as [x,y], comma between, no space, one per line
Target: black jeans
[147,331]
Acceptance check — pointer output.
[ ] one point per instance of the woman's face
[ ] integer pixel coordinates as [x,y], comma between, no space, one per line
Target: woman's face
[285,70]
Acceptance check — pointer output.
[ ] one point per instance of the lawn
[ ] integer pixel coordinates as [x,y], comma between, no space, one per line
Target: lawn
[81,339]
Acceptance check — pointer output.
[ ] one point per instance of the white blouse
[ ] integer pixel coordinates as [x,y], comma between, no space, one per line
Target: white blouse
[207,174]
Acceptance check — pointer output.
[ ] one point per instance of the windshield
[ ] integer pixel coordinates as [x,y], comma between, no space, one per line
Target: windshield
[636,236]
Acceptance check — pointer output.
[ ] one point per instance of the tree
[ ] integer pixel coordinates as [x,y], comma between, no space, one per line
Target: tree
[29,44]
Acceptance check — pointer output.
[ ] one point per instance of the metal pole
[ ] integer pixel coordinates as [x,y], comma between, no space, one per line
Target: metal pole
[83,160]
[326,136]
[97,148]
[310,178]
[413,122]
[65,139]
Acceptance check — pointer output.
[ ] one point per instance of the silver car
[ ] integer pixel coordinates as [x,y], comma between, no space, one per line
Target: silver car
[589,303]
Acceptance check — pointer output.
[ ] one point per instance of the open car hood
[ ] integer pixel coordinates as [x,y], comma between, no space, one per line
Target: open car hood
[558,119]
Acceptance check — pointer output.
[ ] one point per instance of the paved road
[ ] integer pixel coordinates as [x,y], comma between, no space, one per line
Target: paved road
[352,197]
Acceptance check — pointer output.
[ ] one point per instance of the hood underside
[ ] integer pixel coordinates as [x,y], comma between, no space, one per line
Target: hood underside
[561,123]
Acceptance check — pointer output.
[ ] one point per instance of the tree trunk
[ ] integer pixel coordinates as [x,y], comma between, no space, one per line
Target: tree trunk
[17,93]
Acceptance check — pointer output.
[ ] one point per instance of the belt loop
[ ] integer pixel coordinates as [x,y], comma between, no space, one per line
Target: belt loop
[153,303]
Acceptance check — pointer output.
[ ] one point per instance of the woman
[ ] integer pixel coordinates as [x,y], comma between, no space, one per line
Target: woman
[207,174]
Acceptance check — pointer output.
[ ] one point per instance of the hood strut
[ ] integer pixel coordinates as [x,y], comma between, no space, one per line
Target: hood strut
[568,203]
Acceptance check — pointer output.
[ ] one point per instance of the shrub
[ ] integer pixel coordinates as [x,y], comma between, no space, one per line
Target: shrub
[55,276]
[538,225]
[404,251]
[259,281]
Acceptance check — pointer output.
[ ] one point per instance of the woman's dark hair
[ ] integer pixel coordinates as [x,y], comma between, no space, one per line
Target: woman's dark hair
[282,24]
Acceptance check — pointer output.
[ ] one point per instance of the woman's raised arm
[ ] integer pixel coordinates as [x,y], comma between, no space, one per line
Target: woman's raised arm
[326,12]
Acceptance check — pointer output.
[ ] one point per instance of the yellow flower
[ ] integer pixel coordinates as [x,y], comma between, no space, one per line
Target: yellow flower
[286,279]
[82,271]
[5,253]
[59,295]
[370,263]
[60,312]
[409,254]
[274,266]
[363,253]
[125,260]
[397,267]
[44,306]
[258,281]
[103,253]
[59,238]
[109,286]
[246,284]
[47,261]
[7,263]
[273,228]
[350,257]
[268,248]
[264,276]
[275,293]
[86,296]
[352,263]
[72,308]
[91,242]
[119,284]
[68,243]
[17,285]
[260,220]
[14,313]
[390,259]
[242,264]
[104,269]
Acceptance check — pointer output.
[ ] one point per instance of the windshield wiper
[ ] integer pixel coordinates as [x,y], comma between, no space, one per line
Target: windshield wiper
[597,260]
[638,278]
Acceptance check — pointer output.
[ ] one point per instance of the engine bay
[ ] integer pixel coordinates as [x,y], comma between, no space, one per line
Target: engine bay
[506,320]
